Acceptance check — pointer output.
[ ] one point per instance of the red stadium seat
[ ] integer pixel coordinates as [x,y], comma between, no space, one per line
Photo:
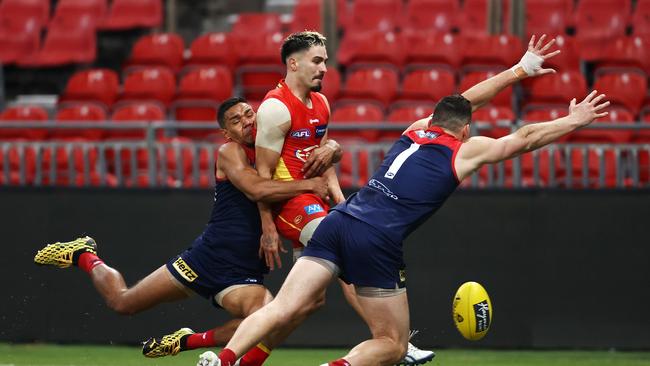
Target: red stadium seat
[545,114]
[568,59]
[428,84]
[626,51]
[371,47]
[557,88]
[251,25]
[260,50]
[499,118]
[135,111]
[213,49]
[39,10]
[27,114]
[598,21]
[435,15]
[504,98]
[96,10]
[406,113]
[377,15]
[156,83]
[535,168]
[627,88]
[19,38]
[494,51]
[474,17]
[357,113]
[163,49]
[98,85]
[433,48]
[126,14]
[331,84]
[351,161]
[306,16]
[200,93]
[551,17]
[616,115]
[83,113]
[641,18]
[260,65]
[642,135]
[375,83]
[68,41]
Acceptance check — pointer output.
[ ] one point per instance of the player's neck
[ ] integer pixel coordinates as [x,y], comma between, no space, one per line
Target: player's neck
[300,91]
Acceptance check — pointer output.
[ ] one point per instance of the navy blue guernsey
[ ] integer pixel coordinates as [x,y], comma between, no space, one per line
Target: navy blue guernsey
[414,180]
[233,233]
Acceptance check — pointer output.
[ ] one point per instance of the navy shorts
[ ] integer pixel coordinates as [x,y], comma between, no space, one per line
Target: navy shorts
[364,255]
[207,278]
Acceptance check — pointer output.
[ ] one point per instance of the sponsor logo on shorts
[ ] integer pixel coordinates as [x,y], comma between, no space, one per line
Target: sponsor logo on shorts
[482,313]
[303,154]
[184,270]
[374,183]
[426,134]
[297,220]
[302,133]
[320,130]
[313,209]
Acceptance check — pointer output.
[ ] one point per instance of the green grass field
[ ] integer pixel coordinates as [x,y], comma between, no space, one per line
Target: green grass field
[53,355]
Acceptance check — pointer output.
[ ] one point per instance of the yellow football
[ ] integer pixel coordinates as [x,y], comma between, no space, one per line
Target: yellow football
[472,311]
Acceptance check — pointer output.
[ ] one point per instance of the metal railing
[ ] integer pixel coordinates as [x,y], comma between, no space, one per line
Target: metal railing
[160,159]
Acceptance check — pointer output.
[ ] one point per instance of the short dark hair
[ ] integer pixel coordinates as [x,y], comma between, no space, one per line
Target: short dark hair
[452,112]
[225,106]
[300,41]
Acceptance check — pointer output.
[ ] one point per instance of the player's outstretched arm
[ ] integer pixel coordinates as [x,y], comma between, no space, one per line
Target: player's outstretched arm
[233,163]
[530,65]
[480,150]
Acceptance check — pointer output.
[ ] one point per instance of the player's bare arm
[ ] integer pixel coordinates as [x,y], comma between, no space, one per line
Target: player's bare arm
[480,150]
[233,165]
[530,65]
[273,124]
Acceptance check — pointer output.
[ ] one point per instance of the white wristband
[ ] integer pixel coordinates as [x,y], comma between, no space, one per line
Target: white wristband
[530,63]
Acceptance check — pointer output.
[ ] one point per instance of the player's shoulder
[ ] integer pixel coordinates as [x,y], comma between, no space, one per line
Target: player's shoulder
[274,107]
[231,150]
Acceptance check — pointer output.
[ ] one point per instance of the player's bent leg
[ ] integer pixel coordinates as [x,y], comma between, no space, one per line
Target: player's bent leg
[156,288]
[307,279]
[388,319]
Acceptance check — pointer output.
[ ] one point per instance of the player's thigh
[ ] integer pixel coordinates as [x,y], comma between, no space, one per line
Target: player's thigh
[158,287]
[244,300]
[305,285]
[387,316]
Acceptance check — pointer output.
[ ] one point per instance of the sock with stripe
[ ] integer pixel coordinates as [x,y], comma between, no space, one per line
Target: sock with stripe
[256,356]
[198,340]
[227,357]
[87,261]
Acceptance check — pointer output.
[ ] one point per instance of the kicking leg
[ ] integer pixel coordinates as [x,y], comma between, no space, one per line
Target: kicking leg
[389,323]
[307,279]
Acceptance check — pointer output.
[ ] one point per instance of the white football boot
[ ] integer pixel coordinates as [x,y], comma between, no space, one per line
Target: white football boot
[416,356]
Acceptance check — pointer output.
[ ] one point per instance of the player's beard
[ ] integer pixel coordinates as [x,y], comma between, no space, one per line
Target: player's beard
[316,88]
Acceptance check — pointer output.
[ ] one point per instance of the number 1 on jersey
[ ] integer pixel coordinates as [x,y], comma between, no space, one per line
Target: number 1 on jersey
[399,160]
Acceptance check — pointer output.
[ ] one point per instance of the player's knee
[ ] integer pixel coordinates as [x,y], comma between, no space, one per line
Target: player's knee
[121,307]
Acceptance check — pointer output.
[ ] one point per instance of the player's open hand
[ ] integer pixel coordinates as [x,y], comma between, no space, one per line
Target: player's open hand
[320,187]
[589,109]
[270,248]
[318,161]
[531,63]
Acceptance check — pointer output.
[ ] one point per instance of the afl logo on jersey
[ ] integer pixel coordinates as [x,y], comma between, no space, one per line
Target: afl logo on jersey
[302,133]
[303,154]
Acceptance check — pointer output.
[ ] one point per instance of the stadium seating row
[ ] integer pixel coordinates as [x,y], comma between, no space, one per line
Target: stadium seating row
[71,32]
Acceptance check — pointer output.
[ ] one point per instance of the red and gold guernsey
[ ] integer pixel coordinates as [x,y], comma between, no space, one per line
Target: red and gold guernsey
[308,126]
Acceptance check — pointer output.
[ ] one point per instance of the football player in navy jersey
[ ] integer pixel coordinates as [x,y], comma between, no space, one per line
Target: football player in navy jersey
[360,241]
[222,265]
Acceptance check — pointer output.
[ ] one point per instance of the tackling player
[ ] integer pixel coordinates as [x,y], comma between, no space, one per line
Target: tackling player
[361,240]
[292,144]
[223,263]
